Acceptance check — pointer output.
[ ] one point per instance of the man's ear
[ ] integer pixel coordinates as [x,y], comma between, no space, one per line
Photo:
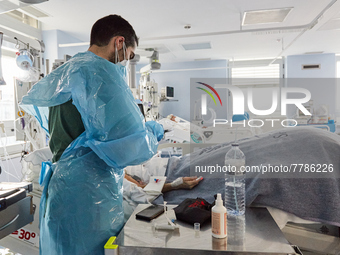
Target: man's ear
[116,41]
[119,41]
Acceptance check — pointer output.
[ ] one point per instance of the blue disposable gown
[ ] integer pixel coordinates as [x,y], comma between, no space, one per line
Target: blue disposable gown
[81,206]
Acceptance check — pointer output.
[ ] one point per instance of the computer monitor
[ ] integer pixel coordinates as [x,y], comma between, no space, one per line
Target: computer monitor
[170,93]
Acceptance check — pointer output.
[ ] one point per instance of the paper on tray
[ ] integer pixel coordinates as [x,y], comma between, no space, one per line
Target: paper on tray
[155,185]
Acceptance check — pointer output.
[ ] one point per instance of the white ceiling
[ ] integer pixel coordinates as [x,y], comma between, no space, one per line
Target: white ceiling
[161,24]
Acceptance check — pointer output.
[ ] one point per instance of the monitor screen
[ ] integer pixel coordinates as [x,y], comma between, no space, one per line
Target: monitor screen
[170,91]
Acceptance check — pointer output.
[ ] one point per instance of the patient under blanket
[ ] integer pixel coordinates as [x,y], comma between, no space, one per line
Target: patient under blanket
[316,199]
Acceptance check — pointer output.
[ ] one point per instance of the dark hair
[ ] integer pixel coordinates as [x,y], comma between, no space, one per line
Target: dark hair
[110,26]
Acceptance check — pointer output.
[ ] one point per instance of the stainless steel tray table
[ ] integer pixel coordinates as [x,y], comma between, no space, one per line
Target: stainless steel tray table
[261,236]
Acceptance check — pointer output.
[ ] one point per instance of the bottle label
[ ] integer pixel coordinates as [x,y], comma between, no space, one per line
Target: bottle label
[216,223]
[225,223]
[219,223]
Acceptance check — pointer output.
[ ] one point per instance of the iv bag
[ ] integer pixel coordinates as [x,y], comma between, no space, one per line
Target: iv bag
[2,81]
[29,75]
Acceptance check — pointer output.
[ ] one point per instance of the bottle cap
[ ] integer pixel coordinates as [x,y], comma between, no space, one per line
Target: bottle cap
[219,199]
[234,144]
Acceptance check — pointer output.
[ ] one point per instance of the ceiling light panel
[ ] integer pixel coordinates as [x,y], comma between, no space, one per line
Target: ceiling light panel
[31,10]
[197,46]
[265,16]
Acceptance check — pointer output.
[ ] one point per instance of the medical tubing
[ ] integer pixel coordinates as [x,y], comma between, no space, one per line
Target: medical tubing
[7,158]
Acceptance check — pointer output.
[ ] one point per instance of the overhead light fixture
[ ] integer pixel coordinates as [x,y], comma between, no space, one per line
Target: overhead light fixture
[63,45]
[314,52]
[197,46]
[265,16]
[33,1]
[202,59]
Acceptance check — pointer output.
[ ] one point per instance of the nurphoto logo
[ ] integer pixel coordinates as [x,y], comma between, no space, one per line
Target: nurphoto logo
[238,103]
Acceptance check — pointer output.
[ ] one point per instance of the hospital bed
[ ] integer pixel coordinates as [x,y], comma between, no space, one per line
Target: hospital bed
[301,145]
[306,144]
[179,130]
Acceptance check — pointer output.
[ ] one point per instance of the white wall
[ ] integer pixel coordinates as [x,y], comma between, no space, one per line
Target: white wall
[320,82]
[180,80]
[52,39]
[67,38]
[51,44]
[327,62]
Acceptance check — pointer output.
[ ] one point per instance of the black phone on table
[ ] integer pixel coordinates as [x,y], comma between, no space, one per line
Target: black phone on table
[150,212]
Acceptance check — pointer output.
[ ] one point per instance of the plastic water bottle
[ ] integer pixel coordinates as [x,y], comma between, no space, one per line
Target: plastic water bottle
[235,181]
[236,232]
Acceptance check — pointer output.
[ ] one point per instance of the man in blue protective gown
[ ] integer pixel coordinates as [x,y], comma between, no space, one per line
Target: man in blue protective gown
[95,129]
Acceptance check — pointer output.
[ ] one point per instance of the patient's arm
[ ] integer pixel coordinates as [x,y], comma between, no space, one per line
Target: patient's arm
[188,183]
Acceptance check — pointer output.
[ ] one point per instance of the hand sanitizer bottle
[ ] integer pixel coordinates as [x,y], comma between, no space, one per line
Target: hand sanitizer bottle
[219,218]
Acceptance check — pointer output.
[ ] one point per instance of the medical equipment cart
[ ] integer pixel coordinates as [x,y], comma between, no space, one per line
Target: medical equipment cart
[16,207]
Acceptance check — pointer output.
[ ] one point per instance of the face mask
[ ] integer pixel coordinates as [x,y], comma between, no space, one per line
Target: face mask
[124,64]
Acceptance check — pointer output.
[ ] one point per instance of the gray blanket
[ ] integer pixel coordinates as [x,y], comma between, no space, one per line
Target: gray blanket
[310,196]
